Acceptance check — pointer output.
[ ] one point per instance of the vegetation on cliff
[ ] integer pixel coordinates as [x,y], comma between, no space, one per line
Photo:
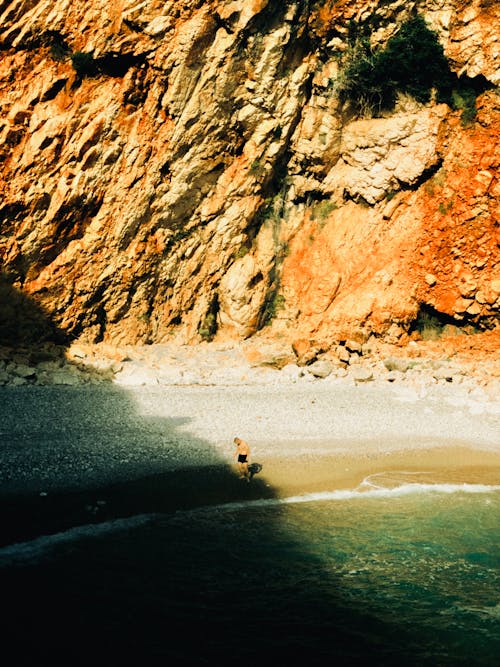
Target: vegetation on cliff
[412,62]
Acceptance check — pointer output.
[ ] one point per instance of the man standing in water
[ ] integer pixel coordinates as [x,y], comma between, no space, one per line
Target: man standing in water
[242,455]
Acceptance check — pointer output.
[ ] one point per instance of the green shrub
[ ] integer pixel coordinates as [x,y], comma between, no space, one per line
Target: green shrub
[445,208]
[464,99]
[437,181]
[241,252]
[412,62]
[274,303]
[431,324]
[323,209]
[272,209]
[257,168]
[428,326]
[208,327]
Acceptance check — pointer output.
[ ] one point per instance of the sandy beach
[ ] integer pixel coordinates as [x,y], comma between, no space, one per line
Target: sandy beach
[440,465]
[329,436]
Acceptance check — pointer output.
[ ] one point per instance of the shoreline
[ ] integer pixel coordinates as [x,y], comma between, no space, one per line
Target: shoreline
[28,517]
[76,454]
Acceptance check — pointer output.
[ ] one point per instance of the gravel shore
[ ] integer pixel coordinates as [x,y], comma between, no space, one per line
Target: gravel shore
[150,433]
[96,415]
[72,437]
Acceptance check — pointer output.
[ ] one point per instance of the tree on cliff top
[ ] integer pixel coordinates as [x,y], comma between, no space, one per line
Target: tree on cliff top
[412,62]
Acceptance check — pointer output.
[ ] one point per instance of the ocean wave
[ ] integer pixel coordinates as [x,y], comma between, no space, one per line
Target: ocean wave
[397,482]
[492,611]
[367,489]
[32,550]
[24,553]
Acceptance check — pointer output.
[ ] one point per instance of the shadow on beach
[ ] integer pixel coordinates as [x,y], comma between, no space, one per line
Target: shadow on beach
[29,515]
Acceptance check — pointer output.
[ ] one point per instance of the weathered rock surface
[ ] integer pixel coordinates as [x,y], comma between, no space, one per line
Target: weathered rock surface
[383,155]
[398,364]
[186,170]
[321,368]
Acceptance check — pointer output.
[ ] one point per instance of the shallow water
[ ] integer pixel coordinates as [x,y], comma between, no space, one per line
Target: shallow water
[400,570]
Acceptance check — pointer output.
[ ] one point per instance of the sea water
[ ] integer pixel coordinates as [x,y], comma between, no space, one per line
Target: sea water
[398,571]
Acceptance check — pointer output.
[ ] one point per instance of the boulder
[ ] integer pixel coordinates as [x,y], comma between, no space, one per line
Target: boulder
[66,376]
[449,374]
[379,155]
[17,381]
[397,364]
[292,372]
[305,351]
[360,373]
[50,366]
[136,374]
[23,371]
[321,368]
[354,347]
[343,354]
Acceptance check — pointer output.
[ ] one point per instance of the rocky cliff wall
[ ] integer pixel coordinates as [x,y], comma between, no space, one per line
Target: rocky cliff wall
[190,169]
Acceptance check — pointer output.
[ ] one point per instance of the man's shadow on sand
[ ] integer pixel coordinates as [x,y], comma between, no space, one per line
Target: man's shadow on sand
[254,469]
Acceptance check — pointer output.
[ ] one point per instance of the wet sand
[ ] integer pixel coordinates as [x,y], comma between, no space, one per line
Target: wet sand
[449,464]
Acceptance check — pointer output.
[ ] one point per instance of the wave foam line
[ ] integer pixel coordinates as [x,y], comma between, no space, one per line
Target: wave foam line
[354,494]
[492,611]
[32,550]
[406,489]
[391,477]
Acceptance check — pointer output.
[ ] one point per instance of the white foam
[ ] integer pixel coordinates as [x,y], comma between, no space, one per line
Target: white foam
[401,490]
[360,493]
[396,482]
[420,487]
[493,611]
[32,550]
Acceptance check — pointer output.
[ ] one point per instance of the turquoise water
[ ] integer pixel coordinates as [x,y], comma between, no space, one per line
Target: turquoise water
[398,571]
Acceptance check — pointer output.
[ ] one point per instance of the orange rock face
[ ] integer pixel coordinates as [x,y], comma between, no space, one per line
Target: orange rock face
[360,270]
[461,208]
[189,171]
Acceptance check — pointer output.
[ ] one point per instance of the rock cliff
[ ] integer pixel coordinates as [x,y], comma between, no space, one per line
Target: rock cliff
[189,170]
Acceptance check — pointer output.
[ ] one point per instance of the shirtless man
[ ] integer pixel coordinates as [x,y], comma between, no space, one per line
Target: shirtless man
[242,455]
